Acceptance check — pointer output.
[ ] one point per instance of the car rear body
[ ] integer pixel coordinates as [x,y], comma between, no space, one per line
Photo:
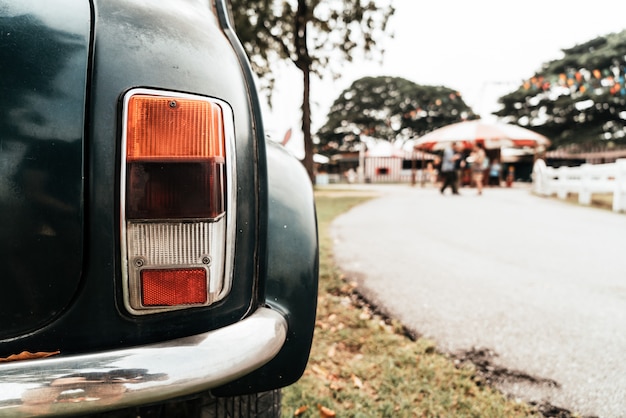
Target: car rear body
[122,260]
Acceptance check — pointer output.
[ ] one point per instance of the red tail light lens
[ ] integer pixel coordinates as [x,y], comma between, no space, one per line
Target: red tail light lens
[163,190]
[178,181]
[173,287]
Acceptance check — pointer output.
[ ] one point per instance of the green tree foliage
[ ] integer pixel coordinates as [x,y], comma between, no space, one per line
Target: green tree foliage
[315,35]
[580,98]
[389,108]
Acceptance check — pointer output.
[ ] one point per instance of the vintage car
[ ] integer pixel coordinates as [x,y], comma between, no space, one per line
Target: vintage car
[156,250]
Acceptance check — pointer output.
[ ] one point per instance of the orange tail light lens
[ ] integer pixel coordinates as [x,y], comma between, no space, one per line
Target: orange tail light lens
[173,128]
[174,200]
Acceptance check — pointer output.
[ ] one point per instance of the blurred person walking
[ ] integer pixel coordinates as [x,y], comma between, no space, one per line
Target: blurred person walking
[448,169]
[495,173]
[478,159]
[460,163]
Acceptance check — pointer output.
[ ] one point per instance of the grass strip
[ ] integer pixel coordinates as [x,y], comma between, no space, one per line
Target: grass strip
[363,365]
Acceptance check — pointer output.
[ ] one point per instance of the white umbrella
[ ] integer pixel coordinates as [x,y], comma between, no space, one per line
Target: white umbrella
[491,134]
[320,159]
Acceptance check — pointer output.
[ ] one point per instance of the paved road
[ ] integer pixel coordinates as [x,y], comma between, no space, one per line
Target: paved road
[540,282]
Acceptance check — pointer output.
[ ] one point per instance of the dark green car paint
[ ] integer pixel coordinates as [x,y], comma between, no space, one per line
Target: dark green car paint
[61,85]
[43,57]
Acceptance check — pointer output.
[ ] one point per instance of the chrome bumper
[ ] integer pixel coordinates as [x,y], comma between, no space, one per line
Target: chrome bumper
[116,379]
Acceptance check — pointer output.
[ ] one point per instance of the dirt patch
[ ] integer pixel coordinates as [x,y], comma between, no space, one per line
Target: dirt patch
[482,359]
[490,374]
[548,410]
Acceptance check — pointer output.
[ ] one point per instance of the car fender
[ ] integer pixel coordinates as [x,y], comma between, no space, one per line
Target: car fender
[291,283]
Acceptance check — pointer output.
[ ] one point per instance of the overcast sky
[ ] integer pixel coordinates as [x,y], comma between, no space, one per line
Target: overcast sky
[482,48]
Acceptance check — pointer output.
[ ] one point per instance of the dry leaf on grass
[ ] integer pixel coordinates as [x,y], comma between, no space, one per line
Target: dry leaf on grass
[358,383]
[365,315]
[319,371]
[325,412]
[336,386]
[27,355]
[300,411]
[336,383]
[331,351]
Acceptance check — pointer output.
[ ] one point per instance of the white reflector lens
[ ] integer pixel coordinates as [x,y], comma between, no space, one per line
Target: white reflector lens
[166,244]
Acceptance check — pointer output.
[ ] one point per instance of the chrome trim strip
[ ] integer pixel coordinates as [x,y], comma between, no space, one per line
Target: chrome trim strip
[84,384]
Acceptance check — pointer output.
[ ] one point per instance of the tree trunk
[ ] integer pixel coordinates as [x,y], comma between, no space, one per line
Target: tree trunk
[303,63]
[306,126]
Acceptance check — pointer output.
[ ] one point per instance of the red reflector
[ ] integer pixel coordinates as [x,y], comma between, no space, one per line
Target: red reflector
[173,287]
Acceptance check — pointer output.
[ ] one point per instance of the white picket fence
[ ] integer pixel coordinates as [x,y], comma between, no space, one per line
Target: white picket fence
[584,180]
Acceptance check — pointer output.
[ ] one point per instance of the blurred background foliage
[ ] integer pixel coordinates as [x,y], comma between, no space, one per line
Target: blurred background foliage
[577,99]
[389,108]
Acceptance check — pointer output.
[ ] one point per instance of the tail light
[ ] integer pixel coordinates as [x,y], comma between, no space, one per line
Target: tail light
[177,211]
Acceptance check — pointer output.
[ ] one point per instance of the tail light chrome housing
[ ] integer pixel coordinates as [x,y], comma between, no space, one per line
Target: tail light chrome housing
[177,200]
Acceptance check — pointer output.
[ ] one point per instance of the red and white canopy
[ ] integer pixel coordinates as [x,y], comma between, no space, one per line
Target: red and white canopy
[491,134]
